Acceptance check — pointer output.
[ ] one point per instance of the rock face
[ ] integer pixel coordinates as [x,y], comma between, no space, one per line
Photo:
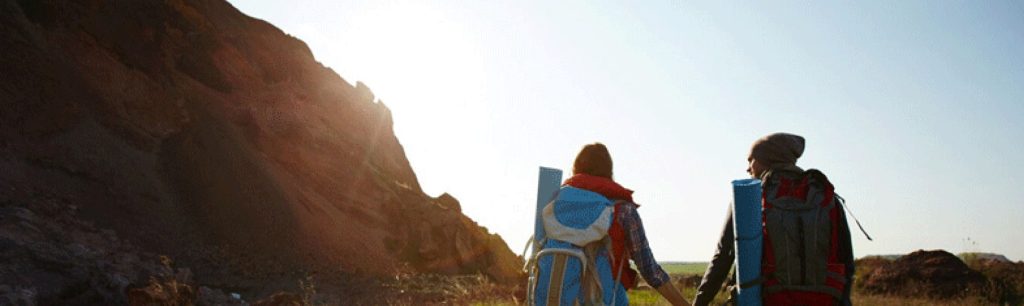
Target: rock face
[933,274]
[192,130]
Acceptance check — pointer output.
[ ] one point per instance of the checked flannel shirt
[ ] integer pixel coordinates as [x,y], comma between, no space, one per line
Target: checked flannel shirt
[636,243]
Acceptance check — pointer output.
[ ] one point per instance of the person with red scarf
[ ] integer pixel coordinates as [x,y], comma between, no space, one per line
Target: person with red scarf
[592,171]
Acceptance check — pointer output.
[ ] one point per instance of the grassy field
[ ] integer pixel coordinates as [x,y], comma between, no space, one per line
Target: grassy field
[676,269]
[649,296]
[684,268]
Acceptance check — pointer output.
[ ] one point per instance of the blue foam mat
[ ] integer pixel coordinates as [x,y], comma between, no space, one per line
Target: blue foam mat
[548,182]
[747,230]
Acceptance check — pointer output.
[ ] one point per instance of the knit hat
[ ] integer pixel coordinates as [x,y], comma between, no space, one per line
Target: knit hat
[777,149]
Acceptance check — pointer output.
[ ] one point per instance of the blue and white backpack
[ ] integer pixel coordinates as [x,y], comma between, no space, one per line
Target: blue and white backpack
[572,265]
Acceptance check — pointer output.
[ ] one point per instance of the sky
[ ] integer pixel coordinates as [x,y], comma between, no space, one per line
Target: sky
[913,109]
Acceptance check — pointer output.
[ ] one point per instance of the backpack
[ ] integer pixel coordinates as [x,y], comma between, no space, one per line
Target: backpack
[801,263]
[573,264]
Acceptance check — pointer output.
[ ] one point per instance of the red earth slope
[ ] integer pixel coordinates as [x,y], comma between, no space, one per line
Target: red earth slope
[193,130]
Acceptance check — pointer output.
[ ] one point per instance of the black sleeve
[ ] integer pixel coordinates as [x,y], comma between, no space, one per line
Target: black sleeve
[718,268]
[845,253]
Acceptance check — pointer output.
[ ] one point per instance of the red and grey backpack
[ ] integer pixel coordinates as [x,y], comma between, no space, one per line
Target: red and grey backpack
[801,264]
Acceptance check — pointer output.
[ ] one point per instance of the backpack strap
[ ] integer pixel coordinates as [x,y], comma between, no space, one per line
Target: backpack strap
[529,243]
[560,261]
[821,176]
[611,250]
[593,292]
[611,254]
[757,281]
[557,276]
[592,289]
[618,274]
[842,202]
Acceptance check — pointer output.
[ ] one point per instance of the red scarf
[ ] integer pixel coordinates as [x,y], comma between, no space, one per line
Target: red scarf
[611,190]
[605,186]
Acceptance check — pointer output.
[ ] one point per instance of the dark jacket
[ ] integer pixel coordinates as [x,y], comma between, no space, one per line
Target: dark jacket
[721,262]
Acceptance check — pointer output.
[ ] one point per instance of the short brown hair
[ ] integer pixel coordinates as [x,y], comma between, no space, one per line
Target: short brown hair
[595,160]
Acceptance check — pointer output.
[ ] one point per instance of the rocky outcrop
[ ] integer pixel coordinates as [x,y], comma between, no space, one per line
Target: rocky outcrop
[189,129]
[932,274]
[51,257]
[1006,278]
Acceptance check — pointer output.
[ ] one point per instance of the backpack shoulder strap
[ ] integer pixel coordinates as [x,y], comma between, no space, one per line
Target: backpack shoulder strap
[818,176]
[592,291]
[839,200]
[842,202]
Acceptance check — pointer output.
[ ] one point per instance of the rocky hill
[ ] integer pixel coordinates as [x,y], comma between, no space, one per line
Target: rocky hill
[186,128]
[940,275]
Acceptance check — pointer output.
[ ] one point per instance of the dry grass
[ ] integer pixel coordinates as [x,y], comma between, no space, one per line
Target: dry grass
[433,289]
[864,299]
[651,297]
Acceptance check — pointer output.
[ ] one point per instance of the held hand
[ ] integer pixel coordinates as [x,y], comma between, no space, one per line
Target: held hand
[670,293]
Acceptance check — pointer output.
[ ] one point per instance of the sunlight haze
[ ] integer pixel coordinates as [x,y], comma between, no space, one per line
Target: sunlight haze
[913,109]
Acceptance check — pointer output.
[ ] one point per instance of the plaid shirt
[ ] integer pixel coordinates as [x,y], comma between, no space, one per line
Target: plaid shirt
[636,243]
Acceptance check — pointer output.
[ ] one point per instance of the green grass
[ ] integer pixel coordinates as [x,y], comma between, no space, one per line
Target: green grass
[647,297]
[676,269]
[684,268]
[651,297]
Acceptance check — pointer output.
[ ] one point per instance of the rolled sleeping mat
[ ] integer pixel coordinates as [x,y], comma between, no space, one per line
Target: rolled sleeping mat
[746,215]
[548,182]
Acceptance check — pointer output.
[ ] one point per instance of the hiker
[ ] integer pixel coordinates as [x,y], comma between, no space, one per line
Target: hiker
[623,238]
[784,280]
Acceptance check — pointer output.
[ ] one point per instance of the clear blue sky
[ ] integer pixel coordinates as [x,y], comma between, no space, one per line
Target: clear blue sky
[913,108]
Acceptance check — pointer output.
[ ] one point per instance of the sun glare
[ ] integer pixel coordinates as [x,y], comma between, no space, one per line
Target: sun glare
[426,67]
[408,54]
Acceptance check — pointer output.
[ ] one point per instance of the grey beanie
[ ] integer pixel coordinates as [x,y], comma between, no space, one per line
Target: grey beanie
[777,149]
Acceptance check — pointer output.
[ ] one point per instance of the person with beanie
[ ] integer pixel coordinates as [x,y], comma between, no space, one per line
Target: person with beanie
[774,153]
